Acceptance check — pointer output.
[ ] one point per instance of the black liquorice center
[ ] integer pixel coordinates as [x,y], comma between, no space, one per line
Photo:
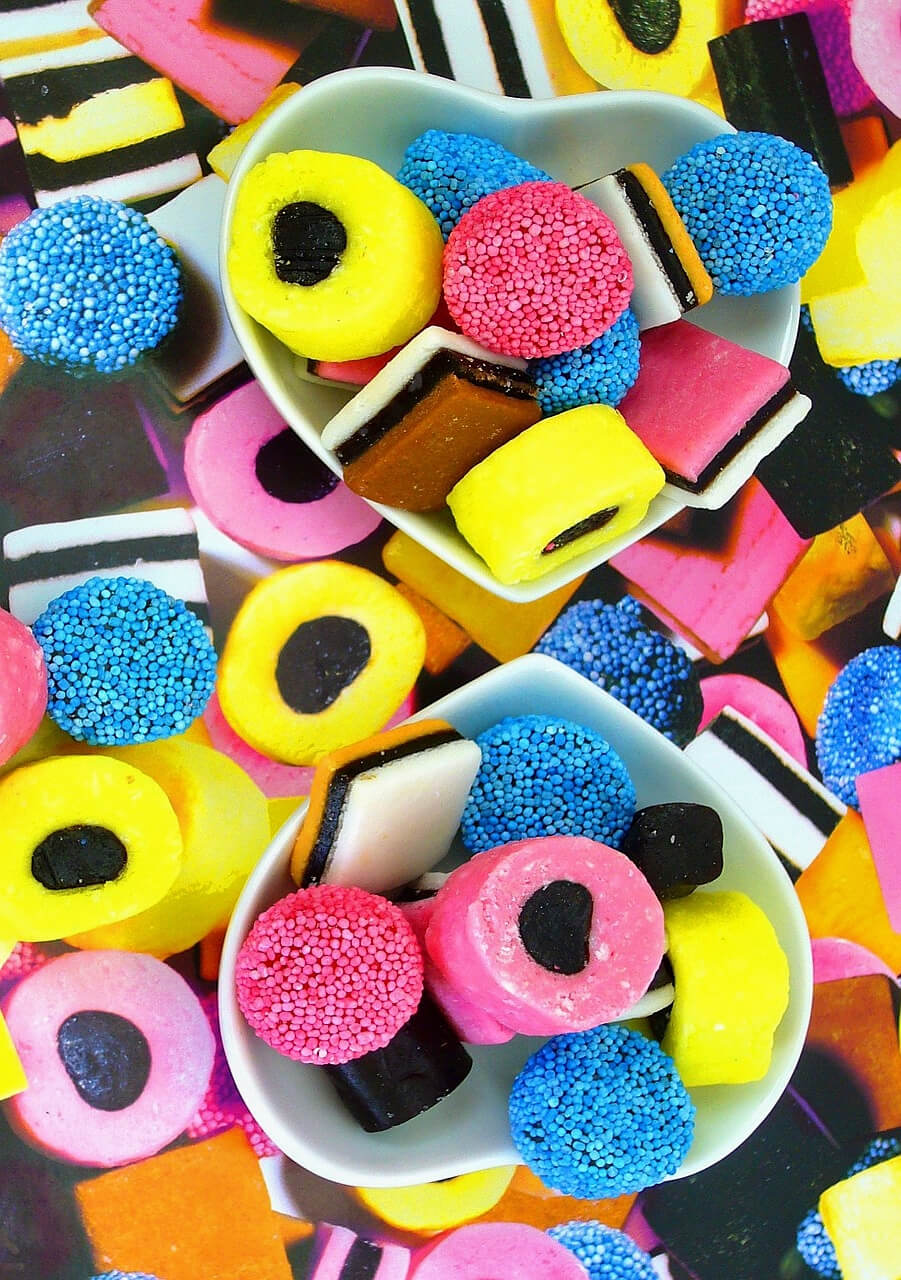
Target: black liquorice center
[650,25]
[77,856]
[319,660]
[589,525]
[307,242]
[290,472]
[555,926]
[362,1262]
[107,1058]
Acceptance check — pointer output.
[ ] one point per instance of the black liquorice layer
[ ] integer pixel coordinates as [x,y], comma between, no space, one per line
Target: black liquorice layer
[41,565]
[362,1262]
[658,238]
[481,373]
[732,448]
[765,762]
[509,66]
[339,785]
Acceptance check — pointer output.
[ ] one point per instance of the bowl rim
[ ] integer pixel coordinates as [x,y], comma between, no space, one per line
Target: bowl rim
[429,530]
[304,1149]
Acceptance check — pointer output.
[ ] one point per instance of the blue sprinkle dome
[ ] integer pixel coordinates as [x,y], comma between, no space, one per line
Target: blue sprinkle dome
[601,1113]
[871,378]
[87,284]
[600,373]
[813,1240]
[604,1252]
[612,647]
[859,728]
[545,776]
[450,172]
[757,207]
[126,662]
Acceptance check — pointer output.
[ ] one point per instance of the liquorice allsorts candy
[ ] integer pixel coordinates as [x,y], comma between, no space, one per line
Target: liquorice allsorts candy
[318,656]
[333,255]
[677,846]
[118,1054]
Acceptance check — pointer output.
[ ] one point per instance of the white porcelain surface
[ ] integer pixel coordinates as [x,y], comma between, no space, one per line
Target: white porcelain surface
[296,1105]
[376,113]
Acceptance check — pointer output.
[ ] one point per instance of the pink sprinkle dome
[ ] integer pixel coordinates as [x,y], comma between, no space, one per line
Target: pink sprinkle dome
[329,973]
[535,270]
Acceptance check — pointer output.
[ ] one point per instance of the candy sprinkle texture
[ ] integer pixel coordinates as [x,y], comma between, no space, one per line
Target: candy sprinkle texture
[545,776]
[450,172]
[329,973]
[611,646]
[87,284]
[600,373]
[757,207]
[601,1113]
[535,270]
[859,728]
[871,378]
[126,662]
[604,1252]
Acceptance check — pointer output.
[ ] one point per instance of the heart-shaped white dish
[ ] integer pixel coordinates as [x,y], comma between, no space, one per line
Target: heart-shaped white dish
[376,113]
[296,1104]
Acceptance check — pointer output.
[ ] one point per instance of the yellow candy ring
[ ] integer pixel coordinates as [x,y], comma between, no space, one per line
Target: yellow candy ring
[86,840]
[438,1206]
[319,655]
[731,988]
[646,44]
[224,824]
[333,255]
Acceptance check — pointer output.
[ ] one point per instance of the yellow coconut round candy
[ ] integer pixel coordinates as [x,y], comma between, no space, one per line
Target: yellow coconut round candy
[224,824]
[333,255]
[646,44]
[318,656]
[438,1206]
[86,840]
[731,988]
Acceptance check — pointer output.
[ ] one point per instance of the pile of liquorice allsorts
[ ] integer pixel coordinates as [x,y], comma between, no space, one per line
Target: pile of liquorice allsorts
[554,926]
[495,395]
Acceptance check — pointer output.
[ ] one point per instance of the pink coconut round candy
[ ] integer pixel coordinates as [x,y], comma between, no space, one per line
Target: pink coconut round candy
[23,686]
[535,270]
[329,973]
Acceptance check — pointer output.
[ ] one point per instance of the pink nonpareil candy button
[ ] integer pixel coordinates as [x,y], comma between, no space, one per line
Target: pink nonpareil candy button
[497,1251]
[555,934]
[23,687]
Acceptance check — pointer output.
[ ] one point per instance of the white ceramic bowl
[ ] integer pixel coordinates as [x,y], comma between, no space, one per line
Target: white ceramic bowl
[376,113]
[296,1104]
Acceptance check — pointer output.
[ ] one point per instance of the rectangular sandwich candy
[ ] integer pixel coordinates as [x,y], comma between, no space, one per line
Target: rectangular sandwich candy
[713,586]
[795,812]
[708,410]
[862,1220]
[771,80]
[444,640]
[435,410]
[670,277]
[160,546]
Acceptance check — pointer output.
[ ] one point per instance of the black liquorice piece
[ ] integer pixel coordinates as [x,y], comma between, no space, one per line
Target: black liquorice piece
[78,855]
[422,1064]
[838,459]
[771,80]
[676,847]
[319,660]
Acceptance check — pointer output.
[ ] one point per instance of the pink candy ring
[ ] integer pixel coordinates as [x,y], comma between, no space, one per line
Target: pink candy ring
[470,1021]
[535,270]
[23,688]
[876,47]
[329,974]
[117,1052]
[555,934]
[275,780]
[497,1251]
[761,704]
[259,483]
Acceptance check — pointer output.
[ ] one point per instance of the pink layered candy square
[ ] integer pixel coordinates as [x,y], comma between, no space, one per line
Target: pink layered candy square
[695,393]
[231,72]
[713,585]
[879,794]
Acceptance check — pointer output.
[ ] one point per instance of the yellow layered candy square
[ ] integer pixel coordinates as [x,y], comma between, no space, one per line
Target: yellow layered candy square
[12,1073]
[562,487]
[731,988]
[863,1218]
